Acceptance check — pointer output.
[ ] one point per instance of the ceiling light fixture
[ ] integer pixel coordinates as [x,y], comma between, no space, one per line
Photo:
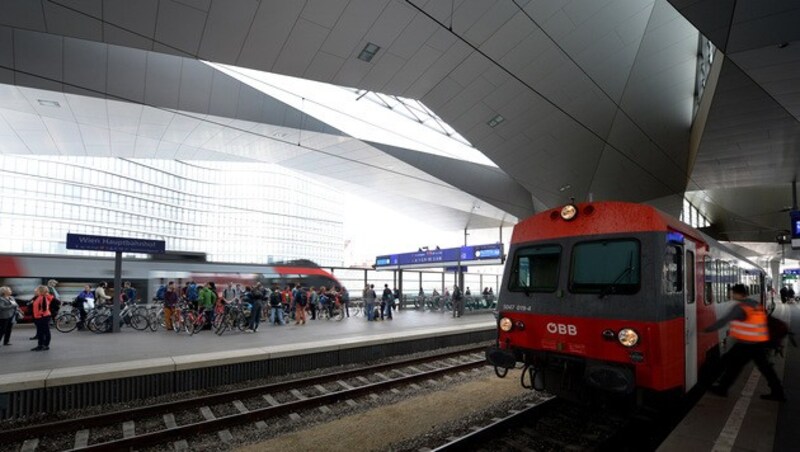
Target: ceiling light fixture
[565,187]
[48,103]
[497,119]
[368,53]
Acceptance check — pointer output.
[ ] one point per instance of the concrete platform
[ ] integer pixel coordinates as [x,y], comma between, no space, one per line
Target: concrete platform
[742,421]
[141,364]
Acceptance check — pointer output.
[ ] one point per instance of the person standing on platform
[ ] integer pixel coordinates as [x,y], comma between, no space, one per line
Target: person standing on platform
[387,300]
[345,298]
[458,302]
[100,296]
[193,294]
[170,304]
[41,317]
[369,302]
[313,302]
[276,306]
[300,305]
[748,321]
[130,292]
[56,306]
[397,298]
[8,314]
[206,300]
[229,294]
[84,301]
[257,305]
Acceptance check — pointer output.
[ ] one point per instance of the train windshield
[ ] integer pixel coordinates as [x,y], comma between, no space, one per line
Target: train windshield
[606,267]
[535,269]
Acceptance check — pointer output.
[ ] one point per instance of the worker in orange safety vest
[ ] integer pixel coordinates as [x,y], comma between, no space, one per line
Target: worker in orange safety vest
[748,322]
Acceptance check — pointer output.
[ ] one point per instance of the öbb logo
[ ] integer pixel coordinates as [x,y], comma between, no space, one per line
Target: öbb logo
[560,328]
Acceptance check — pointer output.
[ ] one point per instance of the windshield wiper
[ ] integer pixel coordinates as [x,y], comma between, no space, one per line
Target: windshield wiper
[609,289]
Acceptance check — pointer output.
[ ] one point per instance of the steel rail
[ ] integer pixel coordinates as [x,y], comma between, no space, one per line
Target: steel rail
[69,425]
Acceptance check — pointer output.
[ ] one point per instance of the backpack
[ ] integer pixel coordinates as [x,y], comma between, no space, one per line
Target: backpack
[191,292]
[778,331]
[160,292]
[301,298]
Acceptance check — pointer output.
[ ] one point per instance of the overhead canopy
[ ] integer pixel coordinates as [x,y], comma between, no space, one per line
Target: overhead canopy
[565,98]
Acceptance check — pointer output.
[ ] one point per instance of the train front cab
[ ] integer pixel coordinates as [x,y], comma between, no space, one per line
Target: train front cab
[608,313]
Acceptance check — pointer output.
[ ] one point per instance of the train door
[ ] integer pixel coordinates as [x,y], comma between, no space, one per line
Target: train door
[690,315]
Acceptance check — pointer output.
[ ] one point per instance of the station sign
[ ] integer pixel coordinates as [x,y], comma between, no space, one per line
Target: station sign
[114,244]
[483,254]
[795,228]
[792,271]
[454,269]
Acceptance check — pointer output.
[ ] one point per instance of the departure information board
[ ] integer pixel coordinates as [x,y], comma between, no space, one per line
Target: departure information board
[474,254]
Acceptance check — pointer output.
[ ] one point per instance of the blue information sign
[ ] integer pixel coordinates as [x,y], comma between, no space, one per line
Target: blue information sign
[795,215]
[115,244]
[443,257]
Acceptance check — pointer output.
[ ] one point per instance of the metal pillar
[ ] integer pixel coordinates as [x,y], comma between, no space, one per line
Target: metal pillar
[420,279]
[481,285]
[365,278]
[400,287]
[775,269]
[117,291]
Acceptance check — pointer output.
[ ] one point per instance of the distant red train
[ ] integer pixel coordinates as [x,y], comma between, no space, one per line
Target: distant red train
[23,272]
[613,297]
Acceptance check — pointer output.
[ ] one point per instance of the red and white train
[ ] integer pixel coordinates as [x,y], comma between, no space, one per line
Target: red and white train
[614,296]
[23,272]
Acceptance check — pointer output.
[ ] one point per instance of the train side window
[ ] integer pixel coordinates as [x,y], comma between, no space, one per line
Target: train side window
[673,269]
[690,276]
[708,278]
[727,280]
[718,281]
[535,269]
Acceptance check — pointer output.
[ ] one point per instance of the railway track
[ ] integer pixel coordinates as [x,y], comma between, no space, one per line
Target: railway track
[551,425]
[161,423]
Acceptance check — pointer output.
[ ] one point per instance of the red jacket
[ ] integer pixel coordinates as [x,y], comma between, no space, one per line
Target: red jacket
[41,308]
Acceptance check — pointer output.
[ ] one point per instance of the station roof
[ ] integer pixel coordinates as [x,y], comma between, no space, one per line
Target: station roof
[552,99]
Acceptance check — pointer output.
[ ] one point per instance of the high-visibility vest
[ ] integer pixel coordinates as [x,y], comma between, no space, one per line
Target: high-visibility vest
[753,328]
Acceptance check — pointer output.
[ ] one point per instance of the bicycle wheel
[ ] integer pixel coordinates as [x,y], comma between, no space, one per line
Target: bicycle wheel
[177,323]
[101,323]
[139,322]
[198,325]
[222,325]
[66,323]
[241,322]
[152,320]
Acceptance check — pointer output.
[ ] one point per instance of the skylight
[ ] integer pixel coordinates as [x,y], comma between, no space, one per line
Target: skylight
[365,115]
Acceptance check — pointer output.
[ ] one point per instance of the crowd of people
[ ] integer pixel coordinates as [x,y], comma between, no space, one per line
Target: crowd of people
[290,303]
[281,305]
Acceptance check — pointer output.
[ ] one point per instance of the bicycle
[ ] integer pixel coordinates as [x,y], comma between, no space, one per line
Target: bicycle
[234,316]
[195,322]
[67,321]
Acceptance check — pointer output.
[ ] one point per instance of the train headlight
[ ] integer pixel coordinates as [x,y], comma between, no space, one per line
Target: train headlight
[506,324]
[569,212]
[628,337]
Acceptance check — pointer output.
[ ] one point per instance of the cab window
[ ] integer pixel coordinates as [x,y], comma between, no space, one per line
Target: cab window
[606,267]
[535,269]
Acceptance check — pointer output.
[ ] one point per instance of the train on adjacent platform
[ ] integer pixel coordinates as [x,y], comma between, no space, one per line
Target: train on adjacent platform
[23,272]
[613,297]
